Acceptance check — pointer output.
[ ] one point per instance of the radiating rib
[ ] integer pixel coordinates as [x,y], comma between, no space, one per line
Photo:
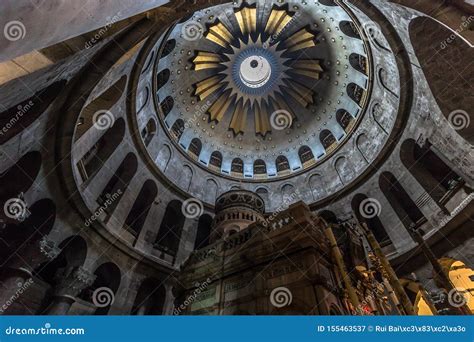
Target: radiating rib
[300,93]
[239,117]
[207,60]
[247,19]
[219,34]
[307,67]
[262,121]
[300,40]
[220,106]
[208,86]
[277,21]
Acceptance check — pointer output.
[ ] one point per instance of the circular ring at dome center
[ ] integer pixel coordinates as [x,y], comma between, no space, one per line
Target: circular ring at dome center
[255,71]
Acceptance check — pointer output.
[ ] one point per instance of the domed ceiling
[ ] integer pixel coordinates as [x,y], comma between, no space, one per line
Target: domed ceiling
[262,91]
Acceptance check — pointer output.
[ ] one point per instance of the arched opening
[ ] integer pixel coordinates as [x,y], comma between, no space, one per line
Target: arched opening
[149,131]
[366,211]
[437,178]
[329,216]
[344,119]
[168,47]
[38,224]
[263,193]
[359,63]
[102,103]
[282,165]
[405,208]
[356,93]
[177,129]
[195,148]
[162,78]
[306,156]
[349,29]
[167,105]
[215,161]
[20,177]
[118,183]
[237,167]
[171,227]
[150,298]
[137,216]
[462,278]
[203,231]
[259,168]
[327,140]
[18,117]
[106,284]
[96,157]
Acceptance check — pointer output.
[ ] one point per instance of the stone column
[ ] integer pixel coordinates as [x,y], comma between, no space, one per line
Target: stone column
[72,282]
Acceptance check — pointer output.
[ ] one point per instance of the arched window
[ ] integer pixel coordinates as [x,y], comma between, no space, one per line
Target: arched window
[177,129]
[118,183]
[216,160]
[150,299]
[237,166]
[259,167]
[96,157]
[104,102]
[437,178]
[405,208]
[203,231]
[359,63]
[195,148]
[356,93]
[171,227]
[306,155]
[349,29]
[344,119]
[282,165]
[167,105]
[23,114]
[362,207]
[162,78]
[168,47]
[139,211]
[149,131]
[327,139]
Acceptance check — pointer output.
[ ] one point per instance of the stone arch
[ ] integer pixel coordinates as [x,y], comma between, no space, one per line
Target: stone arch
[102,103]
[434,175]
[237,166]
[405,208]
[364,146]
[164,157]
[316,185]
[195,148]
[118,183]
[143,99]
[327,139]
[177,129]
[185,177]
[282,165]
[363,214]
[149,131]
[167,105]
[162,78]
[259,168]
[215,160]
[344,119]
[93,160]
[306,155]
[138,213]
[169,234]
[344,170]
[211,191]
[263,193]
[203,231]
